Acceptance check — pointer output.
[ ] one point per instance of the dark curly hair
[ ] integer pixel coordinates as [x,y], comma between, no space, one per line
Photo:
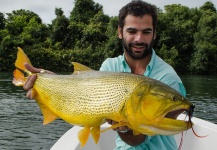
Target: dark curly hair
[137,8]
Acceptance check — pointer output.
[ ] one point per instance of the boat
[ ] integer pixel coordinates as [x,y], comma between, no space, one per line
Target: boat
[206,131]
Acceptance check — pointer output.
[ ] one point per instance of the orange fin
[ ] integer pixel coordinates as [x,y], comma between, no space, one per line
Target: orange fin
[95,131]
[78,68]
[22,58]
[47,113]
[83,135]
[19,78]
[135,132]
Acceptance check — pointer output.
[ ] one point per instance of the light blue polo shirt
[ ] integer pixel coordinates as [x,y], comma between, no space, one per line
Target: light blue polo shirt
[156,69]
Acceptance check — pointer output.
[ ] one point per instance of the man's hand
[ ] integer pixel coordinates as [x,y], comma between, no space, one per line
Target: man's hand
[31,79]
[126,134]
[122,129]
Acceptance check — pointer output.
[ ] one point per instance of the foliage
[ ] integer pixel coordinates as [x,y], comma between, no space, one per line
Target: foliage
[204,59]
[169,55]
[186,38]
[176,28]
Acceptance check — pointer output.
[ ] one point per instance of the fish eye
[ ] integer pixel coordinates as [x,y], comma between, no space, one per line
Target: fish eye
[174,98]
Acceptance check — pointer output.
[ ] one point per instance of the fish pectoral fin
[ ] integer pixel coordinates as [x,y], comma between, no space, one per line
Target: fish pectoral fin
[83,135]
[135,132]
[115,126]
[95,131]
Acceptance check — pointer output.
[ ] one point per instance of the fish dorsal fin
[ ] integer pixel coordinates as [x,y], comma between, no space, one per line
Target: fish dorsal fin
[78,68]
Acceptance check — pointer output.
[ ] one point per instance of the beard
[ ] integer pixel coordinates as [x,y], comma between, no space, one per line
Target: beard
[147,49]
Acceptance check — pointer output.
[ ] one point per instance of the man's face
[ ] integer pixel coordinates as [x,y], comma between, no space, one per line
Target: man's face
[137,36]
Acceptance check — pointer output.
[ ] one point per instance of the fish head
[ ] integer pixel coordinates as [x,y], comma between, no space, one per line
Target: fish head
[153,109]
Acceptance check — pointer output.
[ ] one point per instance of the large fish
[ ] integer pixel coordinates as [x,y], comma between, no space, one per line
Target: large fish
[87,98]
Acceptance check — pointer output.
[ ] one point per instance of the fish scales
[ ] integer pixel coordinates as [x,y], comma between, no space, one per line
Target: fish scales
[96,94]
[87,98]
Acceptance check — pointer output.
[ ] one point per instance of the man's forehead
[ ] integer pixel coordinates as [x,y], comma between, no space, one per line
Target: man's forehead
[140,22]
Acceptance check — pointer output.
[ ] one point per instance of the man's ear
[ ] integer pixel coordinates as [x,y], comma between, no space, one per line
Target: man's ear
[120,31]
[154,37]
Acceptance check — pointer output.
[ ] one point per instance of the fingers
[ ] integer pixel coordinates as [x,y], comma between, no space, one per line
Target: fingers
[122,129]
[32,69]
[29,94]
[30,82]
[31,79]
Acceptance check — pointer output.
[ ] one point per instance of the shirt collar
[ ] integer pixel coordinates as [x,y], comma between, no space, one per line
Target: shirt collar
[151,64]
[147,72]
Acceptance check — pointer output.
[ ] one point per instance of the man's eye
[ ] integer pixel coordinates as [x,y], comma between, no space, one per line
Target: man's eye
[146,32]
[131,31]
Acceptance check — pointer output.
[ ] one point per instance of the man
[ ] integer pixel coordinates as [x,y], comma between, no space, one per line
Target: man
[137,30]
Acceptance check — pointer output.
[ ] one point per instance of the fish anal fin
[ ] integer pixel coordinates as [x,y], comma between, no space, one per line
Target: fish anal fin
[19,78]
[79,68]
[95,131]
[48,115]
[83,135]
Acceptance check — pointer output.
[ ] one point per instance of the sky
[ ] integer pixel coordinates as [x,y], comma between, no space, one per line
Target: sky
[46,8]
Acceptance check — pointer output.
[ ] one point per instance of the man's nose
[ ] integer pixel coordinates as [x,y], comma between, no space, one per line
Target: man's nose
[138,37]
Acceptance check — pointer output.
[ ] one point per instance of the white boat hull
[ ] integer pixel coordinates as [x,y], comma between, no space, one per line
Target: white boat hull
[69,140]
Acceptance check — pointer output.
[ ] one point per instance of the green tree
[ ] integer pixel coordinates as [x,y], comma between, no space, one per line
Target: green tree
[94,33]
[169,55]
[2,21]
[84,10]
[18,19]
[176,28]
[3,32]
[208,6]
[60,33]
[113,47]
[22,28]
[205,55]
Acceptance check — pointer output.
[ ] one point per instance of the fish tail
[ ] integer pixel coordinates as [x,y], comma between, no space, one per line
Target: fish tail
[20,71]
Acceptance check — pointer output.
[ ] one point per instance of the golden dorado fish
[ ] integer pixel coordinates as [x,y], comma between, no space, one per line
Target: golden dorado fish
[87,98]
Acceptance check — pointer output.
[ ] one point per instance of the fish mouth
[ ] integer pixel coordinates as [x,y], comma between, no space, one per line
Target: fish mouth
[176,112]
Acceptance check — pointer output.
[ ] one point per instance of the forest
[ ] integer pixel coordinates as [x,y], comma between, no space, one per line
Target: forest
[186,38]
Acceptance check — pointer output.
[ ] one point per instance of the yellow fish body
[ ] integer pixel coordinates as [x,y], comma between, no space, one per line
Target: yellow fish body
[87,98]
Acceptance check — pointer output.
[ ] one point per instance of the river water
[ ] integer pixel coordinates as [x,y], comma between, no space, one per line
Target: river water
[21,120]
